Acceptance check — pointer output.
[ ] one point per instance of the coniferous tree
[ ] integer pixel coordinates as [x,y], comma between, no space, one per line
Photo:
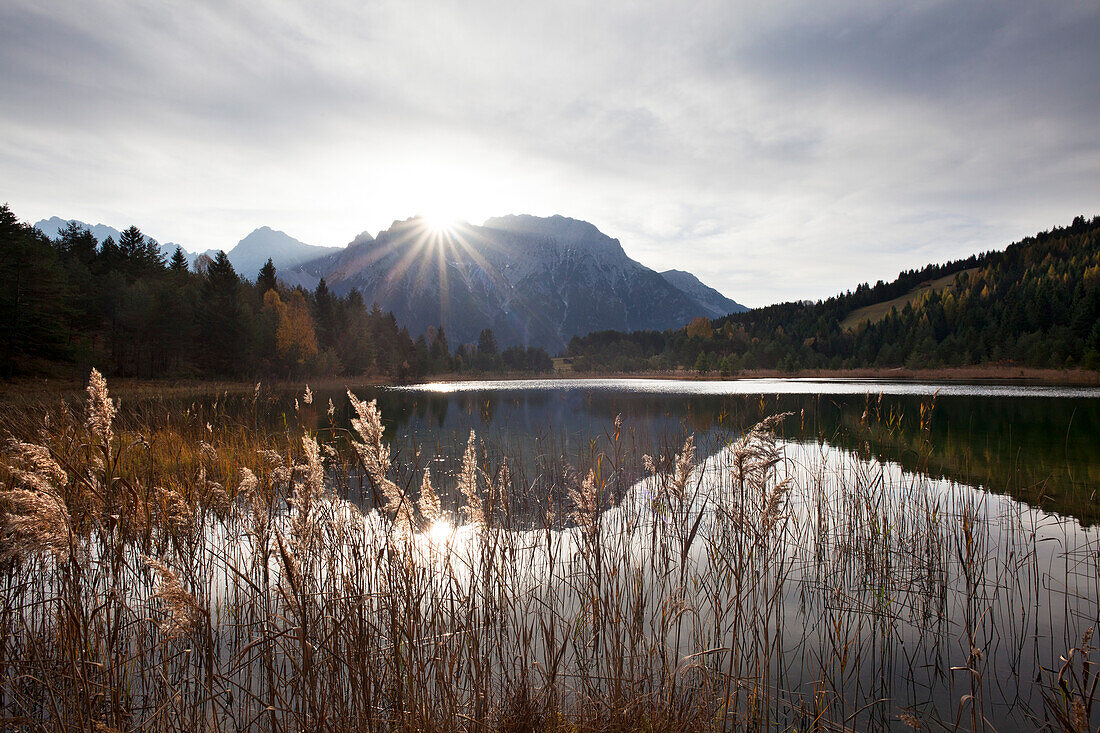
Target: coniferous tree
[222,332]
[110,256]
[34,307]
[266,278]
[76,241]
[325,307]
[178,263]
[140,255]
[440,353]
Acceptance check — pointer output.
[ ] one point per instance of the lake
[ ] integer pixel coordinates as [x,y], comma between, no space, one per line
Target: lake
[1024,459]
[885,555]
[1040,444]
[928,606]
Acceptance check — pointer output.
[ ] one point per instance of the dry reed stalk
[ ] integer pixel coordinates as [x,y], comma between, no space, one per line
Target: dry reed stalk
[468,484]
[375,456]
[584,501]
[37,521]
[100,409]
[182,614]
[429,504]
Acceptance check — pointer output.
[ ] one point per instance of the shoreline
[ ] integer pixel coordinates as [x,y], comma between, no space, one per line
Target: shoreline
[948,375]
[126,386]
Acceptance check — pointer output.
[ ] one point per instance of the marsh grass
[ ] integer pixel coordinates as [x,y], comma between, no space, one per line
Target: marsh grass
[191,571]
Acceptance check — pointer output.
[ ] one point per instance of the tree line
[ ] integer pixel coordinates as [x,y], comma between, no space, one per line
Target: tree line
[71,303]
[1036,304]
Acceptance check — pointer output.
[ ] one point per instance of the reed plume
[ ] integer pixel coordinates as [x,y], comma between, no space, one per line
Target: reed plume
[429,504]
[585,501]
[308,494]
[683,467]
[100,408]
[181,612]
[467,484]
[375,456]
[37,521]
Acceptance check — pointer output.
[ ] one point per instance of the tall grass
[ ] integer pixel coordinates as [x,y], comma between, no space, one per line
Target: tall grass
[176,576]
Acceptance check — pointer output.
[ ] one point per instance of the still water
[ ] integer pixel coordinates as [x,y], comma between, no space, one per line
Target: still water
[937,556]
[942,534]
[1040,444]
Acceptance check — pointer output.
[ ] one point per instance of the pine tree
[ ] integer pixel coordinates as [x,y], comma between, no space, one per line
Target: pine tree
[78,243]
[325,305]
[33,297]
[178,264]
[222,330]
[266,279]
[487,343]
[440,353]
[110,257]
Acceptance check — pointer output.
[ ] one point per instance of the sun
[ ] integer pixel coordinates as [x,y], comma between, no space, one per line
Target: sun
[440,222]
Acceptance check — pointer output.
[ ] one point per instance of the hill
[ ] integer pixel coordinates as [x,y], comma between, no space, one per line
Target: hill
[877,311]
[1035,304]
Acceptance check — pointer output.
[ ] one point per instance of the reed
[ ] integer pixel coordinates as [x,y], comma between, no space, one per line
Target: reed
[192,571]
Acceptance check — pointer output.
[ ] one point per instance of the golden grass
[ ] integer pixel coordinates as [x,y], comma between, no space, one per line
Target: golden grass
[877,311]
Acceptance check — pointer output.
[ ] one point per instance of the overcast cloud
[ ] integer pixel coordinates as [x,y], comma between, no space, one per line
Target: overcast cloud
[779,150]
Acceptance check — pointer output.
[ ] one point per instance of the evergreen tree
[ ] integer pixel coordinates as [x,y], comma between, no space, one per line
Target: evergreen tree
[110,256]
[222,331]
[487,343]
[440,353]
[34,303]
[265,279]
[78,243]
[178,263]
[325,305]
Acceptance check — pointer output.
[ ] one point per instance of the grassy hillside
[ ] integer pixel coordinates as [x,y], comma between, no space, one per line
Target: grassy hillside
[877,311]
[1034,304]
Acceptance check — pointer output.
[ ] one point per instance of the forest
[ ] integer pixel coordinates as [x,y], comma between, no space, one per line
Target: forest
[72,303]
[1035,304]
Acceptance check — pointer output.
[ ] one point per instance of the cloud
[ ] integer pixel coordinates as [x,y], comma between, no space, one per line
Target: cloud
[781,150]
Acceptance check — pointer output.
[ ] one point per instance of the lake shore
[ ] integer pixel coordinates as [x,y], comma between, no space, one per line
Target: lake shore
[981,374]
[130,387]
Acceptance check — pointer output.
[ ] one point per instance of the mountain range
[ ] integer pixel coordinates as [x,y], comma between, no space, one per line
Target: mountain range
[535,281]
[52,228]
[248,256]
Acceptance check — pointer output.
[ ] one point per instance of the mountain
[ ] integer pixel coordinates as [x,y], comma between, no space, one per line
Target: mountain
[52,228]
[714,302]
[252,252]
[534,281]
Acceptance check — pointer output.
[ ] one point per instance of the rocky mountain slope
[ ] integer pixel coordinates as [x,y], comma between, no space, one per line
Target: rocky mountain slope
[252,252]
[717,304]
[534,281]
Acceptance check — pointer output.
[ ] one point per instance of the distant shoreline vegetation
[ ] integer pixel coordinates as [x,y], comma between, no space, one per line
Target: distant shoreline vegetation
[1034,305]
[71,303]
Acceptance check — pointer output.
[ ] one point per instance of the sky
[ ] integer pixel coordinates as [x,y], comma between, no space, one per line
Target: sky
[778,150]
